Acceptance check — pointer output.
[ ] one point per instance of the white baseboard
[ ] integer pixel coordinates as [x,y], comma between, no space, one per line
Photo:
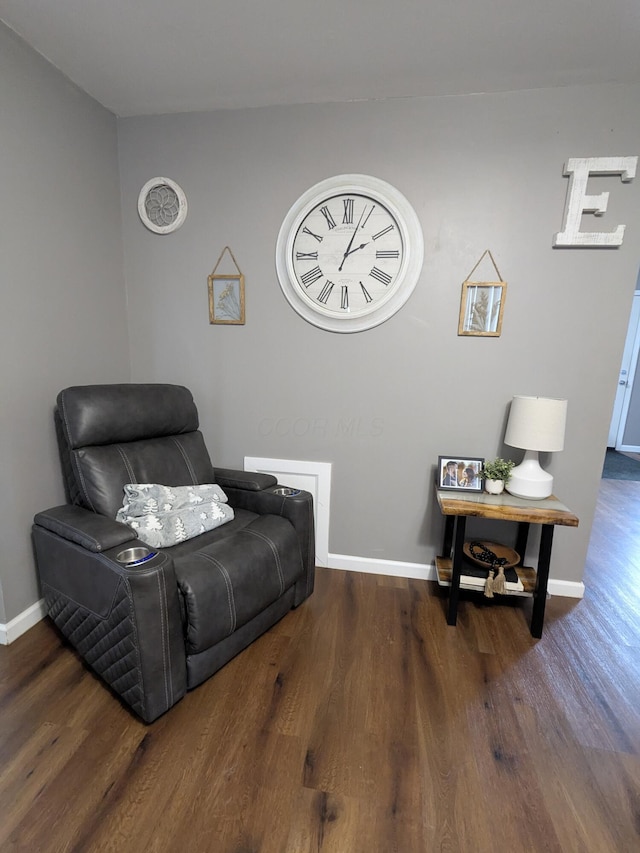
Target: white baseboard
[566,589]
[393,568]
[22,622]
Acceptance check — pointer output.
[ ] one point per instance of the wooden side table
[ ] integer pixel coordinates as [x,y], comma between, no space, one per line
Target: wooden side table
[457,507]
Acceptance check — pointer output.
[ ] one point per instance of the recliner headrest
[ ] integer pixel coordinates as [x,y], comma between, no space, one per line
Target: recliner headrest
[109,414]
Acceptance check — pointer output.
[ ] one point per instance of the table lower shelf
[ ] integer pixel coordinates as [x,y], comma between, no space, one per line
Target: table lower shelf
[526,574]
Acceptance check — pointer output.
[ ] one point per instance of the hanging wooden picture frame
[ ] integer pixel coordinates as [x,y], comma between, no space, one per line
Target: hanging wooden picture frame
[226,295]
[482,304]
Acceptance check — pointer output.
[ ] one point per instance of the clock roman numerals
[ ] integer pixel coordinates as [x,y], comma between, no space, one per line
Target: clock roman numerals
[305,230]
[382,232]
[380,276]
[310,276]
[349,253]
[347,256]
[325,293]
[367,296]
[329,218]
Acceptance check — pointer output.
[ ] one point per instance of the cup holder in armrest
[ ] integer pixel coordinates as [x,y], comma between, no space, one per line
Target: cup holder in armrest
[135,556]
[286,492]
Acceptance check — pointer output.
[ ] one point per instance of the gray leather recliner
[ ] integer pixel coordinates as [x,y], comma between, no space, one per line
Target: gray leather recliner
[155,629]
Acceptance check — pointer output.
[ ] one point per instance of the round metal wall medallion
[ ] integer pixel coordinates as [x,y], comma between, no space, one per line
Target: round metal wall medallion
[162,205]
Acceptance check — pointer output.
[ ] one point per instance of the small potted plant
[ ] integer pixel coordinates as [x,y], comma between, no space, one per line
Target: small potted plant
[496,475]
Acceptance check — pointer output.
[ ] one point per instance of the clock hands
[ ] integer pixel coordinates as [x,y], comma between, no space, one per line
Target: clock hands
[349,250]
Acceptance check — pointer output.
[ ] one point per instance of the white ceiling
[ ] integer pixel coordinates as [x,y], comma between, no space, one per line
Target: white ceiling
[140,57]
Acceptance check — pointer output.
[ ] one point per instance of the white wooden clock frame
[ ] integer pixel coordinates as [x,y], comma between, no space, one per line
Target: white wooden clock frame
[406,280]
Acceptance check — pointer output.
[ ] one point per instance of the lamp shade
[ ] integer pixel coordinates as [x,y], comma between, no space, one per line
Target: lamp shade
[536,423]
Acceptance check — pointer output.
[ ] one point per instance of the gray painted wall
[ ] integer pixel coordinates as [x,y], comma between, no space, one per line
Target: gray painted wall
[63,318]
[482,172]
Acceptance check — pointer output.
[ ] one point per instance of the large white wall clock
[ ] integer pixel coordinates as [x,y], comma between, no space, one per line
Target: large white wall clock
[349,253]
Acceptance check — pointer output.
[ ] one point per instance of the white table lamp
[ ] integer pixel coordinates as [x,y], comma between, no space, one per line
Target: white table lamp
[535,424]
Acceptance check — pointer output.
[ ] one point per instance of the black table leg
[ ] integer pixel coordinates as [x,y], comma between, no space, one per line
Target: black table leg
[521,540]
[456,568]
[448,535]
[542,580]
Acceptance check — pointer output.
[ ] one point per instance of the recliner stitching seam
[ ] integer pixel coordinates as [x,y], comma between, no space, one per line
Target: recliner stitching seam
[136,645]
[85,617]
[75,464]
[186,459]
[227,580]
[163,619]
[72,452]
[311,556]
[127,464]
[274,551]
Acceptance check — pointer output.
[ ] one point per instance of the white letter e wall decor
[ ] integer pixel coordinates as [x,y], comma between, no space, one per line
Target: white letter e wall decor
[578,202]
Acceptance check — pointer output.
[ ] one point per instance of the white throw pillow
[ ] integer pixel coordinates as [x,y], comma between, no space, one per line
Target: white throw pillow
[163,516]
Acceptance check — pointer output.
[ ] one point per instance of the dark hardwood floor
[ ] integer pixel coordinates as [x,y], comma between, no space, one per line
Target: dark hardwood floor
[361,723]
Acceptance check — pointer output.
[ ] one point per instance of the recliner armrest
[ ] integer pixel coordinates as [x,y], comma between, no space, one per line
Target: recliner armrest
[124,621]
[297,508]
[92,531]
[236,479]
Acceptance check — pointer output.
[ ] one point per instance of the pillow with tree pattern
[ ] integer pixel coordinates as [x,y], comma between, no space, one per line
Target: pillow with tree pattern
[163,516]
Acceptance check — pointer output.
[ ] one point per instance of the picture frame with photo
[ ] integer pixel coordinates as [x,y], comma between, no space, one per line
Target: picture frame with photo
[226,294]
[460,473]
[481,308]
[226,300]
[482,304]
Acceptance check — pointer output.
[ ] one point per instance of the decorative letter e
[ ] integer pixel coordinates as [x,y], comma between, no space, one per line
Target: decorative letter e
[578,202]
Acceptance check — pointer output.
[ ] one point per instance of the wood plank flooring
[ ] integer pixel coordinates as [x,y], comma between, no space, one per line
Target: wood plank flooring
[361,723]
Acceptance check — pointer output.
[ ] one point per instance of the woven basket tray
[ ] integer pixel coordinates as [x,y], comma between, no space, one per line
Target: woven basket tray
[499,550]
